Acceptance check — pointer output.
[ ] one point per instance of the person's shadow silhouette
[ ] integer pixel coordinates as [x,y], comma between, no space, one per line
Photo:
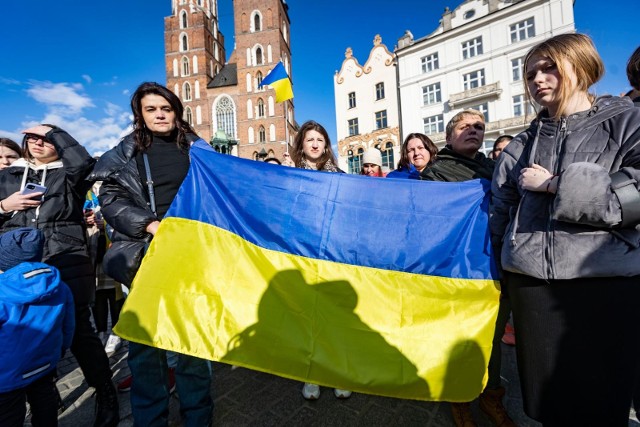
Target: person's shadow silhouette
[311,333]
[466,372]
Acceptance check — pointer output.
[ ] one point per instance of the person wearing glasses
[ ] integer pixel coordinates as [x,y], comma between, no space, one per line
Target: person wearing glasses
[54,162]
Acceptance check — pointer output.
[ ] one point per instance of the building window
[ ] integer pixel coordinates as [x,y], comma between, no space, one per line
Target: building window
[430,63]
[183,19]
[262,134]
[381,119]
[522,30]
[185,66]
[387,155]
[355,161]
[260,107]
[185,43]
[433,124]
[472,48]
[259,56]
[226,116]
[521,107]
[473,79]
[188,116]
[517,69]
[352,100]
[187,91]
[353,127]
[380,91]
[257,25]
[259,81]
[483,108]
[431,94]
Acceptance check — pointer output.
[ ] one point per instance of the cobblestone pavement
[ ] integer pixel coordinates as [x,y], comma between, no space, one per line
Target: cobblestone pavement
[249,398]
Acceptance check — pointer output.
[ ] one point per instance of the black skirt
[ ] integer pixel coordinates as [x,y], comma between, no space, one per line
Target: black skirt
[578,348]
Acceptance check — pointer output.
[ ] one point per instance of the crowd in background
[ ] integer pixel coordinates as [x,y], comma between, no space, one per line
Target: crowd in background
[565,210]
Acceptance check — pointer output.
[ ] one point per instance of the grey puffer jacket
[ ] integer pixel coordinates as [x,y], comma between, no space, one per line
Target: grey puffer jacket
[574,233]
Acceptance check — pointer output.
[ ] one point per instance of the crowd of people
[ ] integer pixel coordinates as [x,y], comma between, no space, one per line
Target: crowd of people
[565,210]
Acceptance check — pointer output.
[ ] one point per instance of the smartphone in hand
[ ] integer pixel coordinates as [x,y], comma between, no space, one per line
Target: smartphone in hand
[31,188]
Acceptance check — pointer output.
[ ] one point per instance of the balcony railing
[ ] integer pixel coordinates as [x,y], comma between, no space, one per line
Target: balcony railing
[473,95]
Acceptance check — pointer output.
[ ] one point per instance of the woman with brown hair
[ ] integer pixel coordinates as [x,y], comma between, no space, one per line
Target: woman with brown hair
[140,178]
[416,154]
[565,215]
[9,152]
[312,150]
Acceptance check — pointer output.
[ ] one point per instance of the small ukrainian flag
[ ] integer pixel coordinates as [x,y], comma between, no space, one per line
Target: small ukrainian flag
[279,81]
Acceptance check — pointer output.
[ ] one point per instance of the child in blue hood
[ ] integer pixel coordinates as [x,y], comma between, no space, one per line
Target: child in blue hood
[36,327]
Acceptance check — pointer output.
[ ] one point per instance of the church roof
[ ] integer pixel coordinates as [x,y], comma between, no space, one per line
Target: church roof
[228,76]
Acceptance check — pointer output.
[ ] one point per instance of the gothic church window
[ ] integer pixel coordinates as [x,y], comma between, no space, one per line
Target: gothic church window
[262,134]
[259,56]
[255,23]
[183,19]
[187,91]
[188,116]
[260,107]
[226,116]
[185,66]
[185,43]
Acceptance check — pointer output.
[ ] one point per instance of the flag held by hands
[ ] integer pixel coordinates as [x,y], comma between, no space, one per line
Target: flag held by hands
[302,274]
[279,81]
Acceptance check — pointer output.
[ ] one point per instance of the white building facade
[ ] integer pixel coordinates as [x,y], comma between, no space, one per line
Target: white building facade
[474,59]
[366,100]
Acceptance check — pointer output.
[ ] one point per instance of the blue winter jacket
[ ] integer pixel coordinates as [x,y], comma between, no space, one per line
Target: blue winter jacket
[403,173]
[36,323]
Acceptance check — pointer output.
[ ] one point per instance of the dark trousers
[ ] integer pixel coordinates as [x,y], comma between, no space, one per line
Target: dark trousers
[105,304]
[578,348]
[41,395]
[495,360]
[150,388]
[89,351]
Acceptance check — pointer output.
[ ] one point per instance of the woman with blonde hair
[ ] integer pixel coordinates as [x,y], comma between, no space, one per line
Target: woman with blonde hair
[565,214]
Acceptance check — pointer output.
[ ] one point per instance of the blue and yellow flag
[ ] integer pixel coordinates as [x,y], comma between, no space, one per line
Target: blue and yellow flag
[379,286]
[279,81]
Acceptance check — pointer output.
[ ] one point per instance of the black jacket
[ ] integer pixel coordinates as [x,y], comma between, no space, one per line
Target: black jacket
[123,195]
[60,215]
[450,166]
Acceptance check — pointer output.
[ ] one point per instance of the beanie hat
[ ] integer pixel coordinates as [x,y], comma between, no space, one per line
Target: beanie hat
[373,156]
[20,245]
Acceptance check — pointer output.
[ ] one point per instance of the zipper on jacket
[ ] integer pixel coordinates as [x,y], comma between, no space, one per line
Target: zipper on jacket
[558,150]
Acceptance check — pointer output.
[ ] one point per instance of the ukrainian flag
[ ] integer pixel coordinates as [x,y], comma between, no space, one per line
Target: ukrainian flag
[279,81]
[379,286]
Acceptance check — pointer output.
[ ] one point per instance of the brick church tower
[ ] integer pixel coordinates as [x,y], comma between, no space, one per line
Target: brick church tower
[222,99]
[194,54]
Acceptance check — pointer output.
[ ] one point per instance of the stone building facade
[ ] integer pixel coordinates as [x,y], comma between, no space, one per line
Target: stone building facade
[474,59]
[367,108]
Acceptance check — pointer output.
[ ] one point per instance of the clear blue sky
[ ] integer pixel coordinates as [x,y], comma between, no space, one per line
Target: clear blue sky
[75,63]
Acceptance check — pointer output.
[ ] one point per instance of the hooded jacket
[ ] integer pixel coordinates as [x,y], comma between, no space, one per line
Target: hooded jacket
[36,323]
[60,215]
[576,232]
